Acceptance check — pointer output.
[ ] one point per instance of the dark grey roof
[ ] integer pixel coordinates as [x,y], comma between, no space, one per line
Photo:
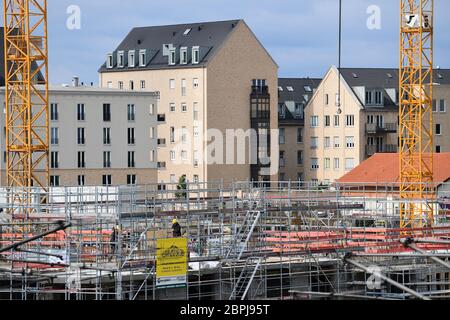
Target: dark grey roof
[298,84]
[209,36]
[379,77]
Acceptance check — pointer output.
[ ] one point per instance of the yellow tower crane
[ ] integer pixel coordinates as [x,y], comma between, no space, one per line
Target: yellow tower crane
[416,116]
[26,74]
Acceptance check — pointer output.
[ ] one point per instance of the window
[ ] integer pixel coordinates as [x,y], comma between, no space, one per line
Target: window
[183,135]
[54,160]
[109,61]
[81,159]
[378,97]
[172,107]
[142,58]
[54,181]
[106,112]
[282,135]
[196,131]
[107,159]
[120,85]
[350,142]
[183,87]
[106,136]
[152,109]
[336,121]
[300,157]
[307,88]
[152,133]
[152,155]
[314,142]
[110,85]
[131,85]
[131,59]
[172,84]
[327,142]
[299,135]
[142,84]
[336,143]
[442,107]
[183,107]
[183,55]
[131,112]
[173,178]
[107,180]
[434,105]
[172,134]
[282,159]
[338,100]
[81,137]
[327,163]
[120,59]
[314,121]
[195,83]
[173,155]
[81,112]
[131,179]
[54,116]
[81,180]
[54,136]
[438,149]
[314,164]
[172,57]
[369,97]
[327,121]
[131,136]
[336,163]
[184,155]
[349,163]
[350,120]
[290,89]
[327,99]
[196,178]
[131,162]
[195,55]
[438,129]
[195,111]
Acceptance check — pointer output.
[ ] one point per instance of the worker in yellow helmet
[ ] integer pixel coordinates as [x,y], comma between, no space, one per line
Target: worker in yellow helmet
[176,229]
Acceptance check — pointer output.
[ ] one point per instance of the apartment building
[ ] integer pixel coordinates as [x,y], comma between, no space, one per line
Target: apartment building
[212,77]
[293,95]
[344,130]
[98,136]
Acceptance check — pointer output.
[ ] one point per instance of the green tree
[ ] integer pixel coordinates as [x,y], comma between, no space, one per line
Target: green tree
[181,187]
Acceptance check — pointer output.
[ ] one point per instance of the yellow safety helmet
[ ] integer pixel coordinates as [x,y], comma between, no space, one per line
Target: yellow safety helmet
[174,221]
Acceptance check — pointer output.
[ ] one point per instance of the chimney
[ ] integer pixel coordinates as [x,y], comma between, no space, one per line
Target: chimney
[76,81]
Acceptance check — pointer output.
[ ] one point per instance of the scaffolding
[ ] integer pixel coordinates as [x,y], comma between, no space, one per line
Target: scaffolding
[245,240]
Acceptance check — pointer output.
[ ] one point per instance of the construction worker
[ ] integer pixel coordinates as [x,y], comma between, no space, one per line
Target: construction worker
[176,229]
[113,242]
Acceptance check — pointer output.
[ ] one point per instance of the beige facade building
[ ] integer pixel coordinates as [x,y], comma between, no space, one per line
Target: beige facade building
[208,75]
[98,136]
[343,130]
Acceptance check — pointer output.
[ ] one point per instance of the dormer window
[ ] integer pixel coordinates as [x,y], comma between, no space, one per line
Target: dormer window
[187,31]
[142,58]
[120,59]
[290,89]
[131,59]
[184,55]
[109,61]
[172,57]
[195,55]
[307,88]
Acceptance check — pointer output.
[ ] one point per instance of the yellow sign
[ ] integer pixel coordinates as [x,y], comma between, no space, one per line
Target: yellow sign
[171,261]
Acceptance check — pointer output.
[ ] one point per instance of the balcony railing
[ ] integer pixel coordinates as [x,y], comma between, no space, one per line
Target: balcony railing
[373,128]
[385,148]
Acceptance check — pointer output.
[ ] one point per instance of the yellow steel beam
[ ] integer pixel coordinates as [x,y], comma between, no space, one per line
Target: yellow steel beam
[416,116]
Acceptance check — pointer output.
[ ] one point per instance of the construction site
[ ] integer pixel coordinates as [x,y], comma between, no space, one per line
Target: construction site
[239,241]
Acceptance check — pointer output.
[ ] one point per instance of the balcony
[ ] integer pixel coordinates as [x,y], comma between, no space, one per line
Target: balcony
[385,148]
[260,90]
[373,128]
[161,118]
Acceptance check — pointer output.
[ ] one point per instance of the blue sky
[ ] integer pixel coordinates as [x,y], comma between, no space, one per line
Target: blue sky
[301,35]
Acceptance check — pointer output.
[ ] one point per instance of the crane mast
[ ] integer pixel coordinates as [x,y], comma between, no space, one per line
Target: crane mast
[416,114]
[27,116]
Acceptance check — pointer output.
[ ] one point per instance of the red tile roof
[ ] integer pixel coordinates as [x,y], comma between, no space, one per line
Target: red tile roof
[383,168]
